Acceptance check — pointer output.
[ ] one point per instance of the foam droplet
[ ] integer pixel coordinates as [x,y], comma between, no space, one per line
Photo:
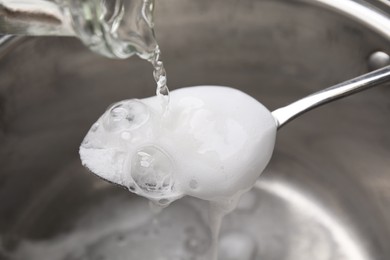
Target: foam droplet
[163,201]
[152,170]
[125,115]
[132,188]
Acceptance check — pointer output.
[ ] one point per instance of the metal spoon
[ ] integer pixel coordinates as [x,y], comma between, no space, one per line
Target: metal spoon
[286,114]
[264,124]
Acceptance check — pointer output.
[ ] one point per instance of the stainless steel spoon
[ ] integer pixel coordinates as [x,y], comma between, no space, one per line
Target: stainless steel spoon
[286,114]
[101,157]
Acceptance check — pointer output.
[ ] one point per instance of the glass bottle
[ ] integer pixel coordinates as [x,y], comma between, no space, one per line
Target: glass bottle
[113,28]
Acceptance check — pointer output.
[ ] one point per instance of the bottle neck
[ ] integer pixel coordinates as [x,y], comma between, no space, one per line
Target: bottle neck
[113,28]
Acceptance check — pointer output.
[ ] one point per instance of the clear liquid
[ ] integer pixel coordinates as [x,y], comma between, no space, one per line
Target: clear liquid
[160,77]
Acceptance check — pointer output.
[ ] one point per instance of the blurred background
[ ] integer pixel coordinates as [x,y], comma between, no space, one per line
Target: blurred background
[325,194]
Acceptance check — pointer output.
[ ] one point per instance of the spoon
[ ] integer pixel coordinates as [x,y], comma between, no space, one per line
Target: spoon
[286,114]
[214,135]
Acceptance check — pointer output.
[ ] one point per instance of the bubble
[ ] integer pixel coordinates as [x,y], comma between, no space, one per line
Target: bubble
[156,207]
[152,170]
[193,184]
[125,115]
[159,71]
[164,201]
[118,113]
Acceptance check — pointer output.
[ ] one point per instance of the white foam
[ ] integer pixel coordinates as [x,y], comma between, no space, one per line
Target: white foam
[213,144]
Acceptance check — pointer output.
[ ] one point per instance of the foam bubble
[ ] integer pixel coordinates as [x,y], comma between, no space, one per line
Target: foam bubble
[151,170]
[125,115]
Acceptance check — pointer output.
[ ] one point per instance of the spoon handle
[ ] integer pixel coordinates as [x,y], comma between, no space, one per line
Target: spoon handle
[285,114]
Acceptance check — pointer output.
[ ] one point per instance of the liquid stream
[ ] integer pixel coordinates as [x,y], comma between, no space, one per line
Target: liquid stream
[160,76]
[216,211]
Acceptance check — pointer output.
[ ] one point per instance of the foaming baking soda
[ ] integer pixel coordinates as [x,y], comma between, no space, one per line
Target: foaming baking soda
[212,144]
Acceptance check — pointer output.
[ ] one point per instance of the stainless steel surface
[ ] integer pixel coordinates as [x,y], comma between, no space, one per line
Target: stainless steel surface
[325,194]
[349,87]
[361,11]
[7,42]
